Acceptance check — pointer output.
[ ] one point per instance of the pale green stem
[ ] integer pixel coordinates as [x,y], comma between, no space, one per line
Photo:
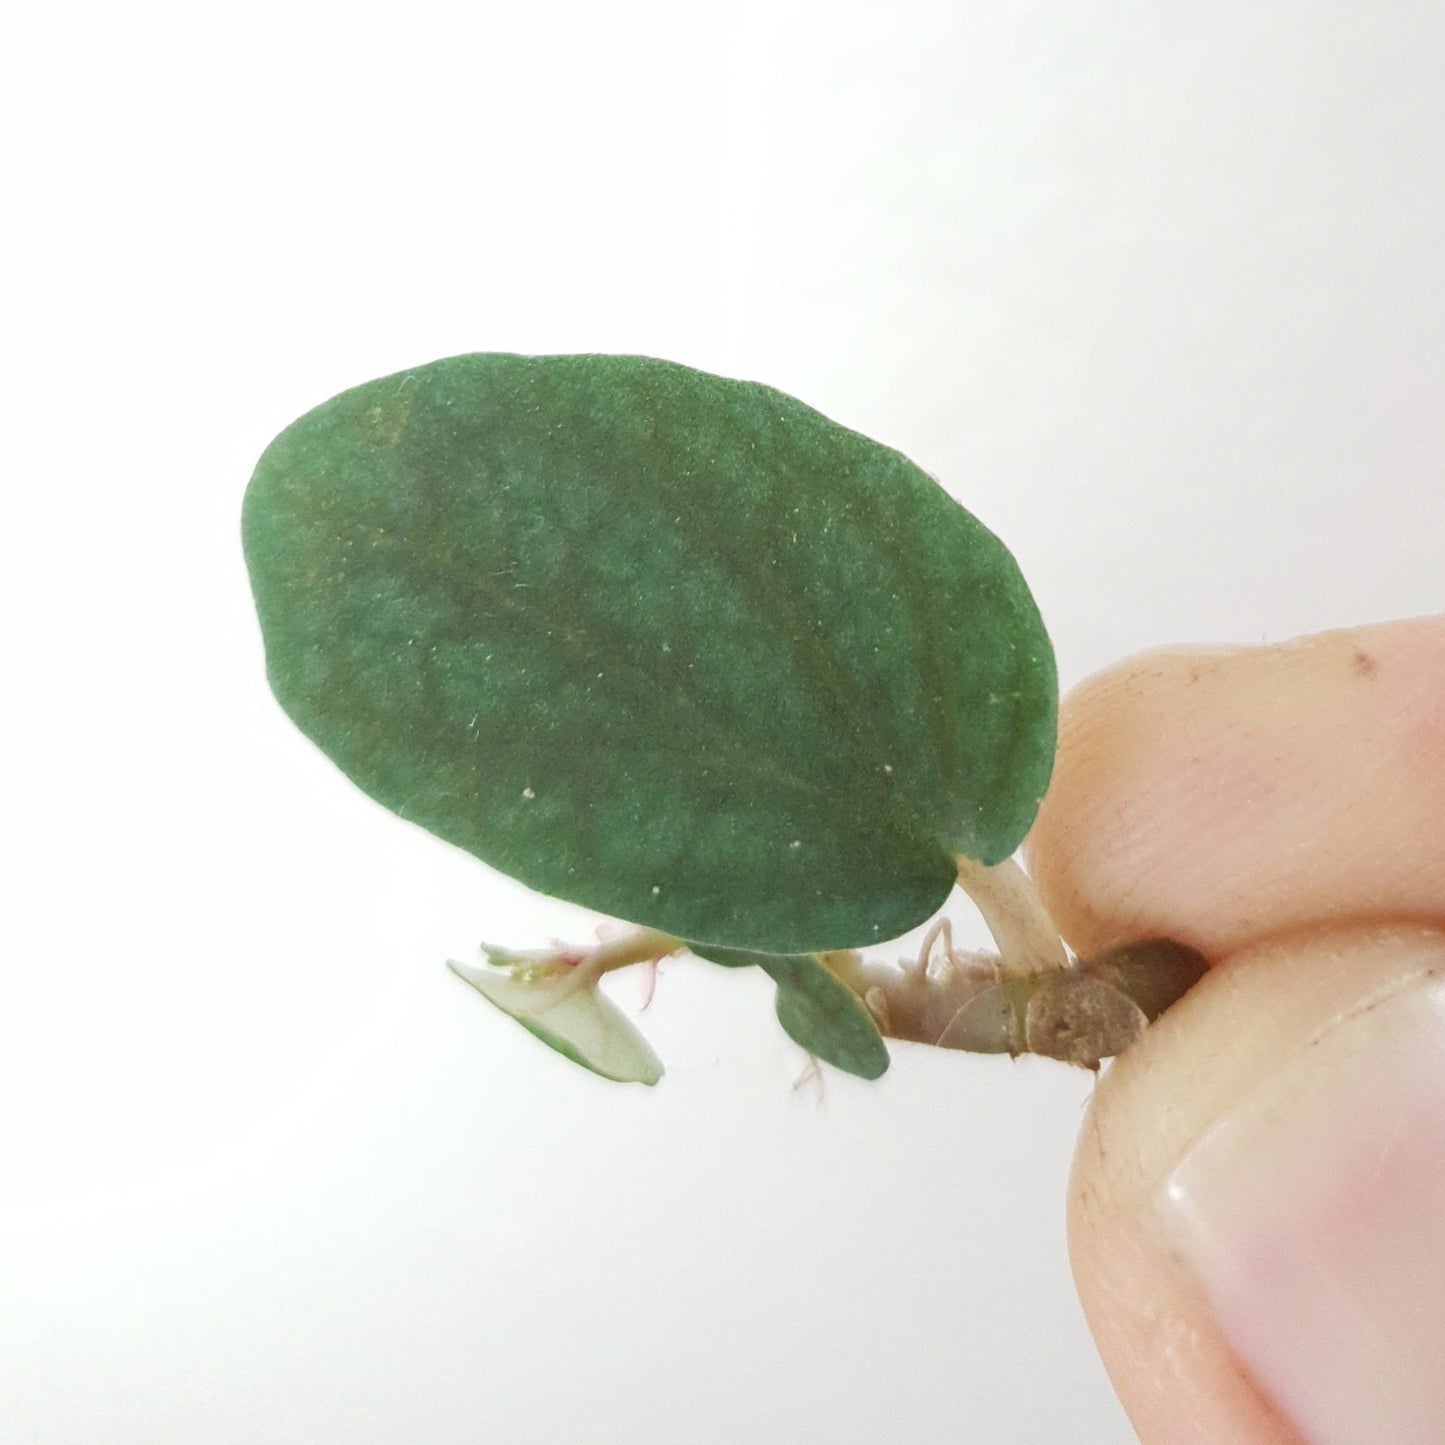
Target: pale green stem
[1026,937]
[642,945]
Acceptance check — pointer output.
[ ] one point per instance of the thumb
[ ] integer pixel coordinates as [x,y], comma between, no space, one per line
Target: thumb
[1257,1212]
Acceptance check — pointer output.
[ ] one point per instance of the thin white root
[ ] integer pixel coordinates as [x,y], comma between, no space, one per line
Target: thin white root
[920,969]
[812,1076]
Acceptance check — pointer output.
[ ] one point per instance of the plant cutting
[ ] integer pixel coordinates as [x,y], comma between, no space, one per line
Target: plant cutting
[683,651]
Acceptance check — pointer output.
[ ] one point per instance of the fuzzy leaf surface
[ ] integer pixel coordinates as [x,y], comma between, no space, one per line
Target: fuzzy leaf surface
[673,647]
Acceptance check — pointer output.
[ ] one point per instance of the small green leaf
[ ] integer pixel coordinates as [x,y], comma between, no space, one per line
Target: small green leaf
[676,648]
[816,1010]
[578,1020]
[828,1019]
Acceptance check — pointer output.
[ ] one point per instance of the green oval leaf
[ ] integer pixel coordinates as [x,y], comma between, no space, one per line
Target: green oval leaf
[673,647]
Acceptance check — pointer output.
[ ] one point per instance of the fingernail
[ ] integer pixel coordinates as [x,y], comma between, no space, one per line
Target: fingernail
[1313,1216]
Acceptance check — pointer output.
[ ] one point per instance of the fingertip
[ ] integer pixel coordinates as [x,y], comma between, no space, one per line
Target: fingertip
[1221,1197]
[1221,796]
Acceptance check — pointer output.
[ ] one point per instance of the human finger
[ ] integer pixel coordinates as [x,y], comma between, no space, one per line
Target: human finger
[1256,1202]
[1220,797]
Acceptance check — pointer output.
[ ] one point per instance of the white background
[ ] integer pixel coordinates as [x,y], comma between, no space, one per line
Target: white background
[1156,289]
